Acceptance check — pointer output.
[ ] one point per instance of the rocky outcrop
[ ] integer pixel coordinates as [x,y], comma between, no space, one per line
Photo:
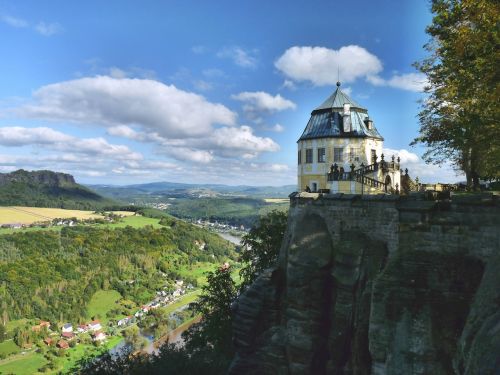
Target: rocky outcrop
[48,178]
[377,285]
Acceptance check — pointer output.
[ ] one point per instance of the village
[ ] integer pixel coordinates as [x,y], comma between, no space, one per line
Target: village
[68,335]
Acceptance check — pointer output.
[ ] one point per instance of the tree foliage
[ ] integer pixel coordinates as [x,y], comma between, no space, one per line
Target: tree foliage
[460,119]
[262,245]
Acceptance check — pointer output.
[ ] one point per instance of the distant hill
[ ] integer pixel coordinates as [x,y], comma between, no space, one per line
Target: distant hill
[173,189]
[48,189]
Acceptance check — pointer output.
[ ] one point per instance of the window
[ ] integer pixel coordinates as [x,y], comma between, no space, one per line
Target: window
[321,155]
[353,155]
[309,156]
[299,158]
[374,156]
[338,154]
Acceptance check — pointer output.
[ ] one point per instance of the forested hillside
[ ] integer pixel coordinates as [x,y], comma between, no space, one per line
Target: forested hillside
[52,275]
[48,189]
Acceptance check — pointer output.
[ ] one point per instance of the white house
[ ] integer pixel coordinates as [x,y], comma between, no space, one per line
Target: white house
[99,336]
[68,327]
[95,325]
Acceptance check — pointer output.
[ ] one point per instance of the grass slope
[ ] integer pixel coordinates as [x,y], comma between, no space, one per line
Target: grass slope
[101,302]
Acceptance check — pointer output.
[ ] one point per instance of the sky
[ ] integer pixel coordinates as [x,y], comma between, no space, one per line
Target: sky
[127,92]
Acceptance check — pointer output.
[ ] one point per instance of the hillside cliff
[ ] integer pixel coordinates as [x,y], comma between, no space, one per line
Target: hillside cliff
[47,189]
[377,285]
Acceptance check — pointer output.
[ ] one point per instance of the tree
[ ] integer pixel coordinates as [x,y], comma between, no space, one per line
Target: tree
[214,305]
[3,333]
[262,245]
[460,119]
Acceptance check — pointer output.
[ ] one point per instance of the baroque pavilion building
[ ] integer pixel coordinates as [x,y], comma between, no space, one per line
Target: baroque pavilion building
[340,151]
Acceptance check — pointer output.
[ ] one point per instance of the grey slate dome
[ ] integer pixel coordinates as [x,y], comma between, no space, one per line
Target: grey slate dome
[327,120]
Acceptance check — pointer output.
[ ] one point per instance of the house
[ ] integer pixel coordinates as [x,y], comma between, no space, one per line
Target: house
[68,327]
[95,325]
[98,336]
[68,335]
[82,328]
[61,344]
[340,151]
[40,326]
[48,341]
[124,321]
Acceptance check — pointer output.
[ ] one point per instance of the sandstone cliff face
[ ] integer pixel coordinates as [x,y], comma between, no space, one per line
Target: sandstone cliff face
[48,178]
[377,285]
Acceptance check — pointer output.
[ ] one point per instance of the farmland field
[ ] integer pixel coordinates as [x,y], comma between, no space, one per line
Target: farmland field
[29,215]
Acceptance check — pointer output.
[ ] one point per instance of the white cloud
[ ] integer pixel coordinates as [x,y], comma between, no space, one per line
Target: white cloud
[410,81]
[48,29]
[278,128]
[426,173]
[288,84]
[241,57]
[108,101]
[223,142]
[319,64]
[242,139]
[262,102]
[16,136]
[14,21]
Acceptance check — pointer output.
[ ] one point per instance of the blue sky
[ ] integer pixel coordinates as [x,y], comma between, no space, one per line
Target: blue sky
[196,91]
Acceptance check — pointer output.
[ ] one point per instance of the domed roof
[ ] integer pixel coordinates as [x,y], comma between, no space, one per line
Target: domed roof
[327,120]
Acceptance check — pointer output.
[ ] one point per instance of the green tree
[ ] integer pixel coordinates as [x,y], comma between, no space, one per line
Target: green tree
[214,304]
[3,333]
[460,119]
[261,246]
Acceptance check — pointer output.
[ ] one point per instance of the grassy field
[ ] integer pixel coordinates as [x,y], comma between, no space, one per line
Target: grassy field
[9,347]
[133,221]
[27,364]
[101,302]
[29,215]
[197,270]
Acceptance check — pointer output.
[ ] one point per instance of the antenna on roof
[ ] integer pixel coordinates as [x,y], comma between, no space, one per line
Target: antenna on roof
[338,76]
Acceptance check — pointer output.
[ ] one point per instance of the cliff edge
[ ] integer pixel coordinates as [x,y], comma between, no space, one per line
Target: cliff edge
[377,285]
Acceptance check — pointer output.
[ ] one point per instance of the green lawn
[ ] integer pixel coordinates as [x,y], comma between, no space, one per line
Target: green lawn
[133,221]
[9,347]
[184,300]
[27,364]
[197,270]
[101,302]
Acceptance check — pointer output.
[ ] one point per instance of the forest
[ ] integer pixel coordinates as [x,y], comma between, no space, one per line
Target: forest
[52,275]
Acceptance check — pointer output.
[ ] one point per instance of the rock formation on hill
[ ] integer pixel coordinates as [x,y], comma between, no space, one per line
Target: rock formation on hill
[377,285]
[37,177]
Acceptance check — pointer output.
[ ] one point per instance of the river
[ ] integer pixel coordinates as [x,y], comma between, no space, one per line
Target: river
[234,239]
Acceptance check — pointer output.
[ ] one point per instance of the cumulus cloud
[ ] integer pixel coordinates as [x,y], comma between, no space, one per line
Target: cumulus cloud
[16,136]
[262,101]
[427,173]
[241,57]
[319,64]
[48,29]
[410,81]
[109,101]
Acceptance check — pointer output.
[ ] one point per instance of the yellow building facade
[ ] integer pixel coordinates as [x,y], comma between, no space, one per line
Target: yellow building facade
[340,150]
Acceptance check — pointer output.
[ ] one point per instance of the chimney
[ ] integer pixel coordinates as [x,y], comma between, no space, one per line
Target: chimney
[347,118]
[369,123]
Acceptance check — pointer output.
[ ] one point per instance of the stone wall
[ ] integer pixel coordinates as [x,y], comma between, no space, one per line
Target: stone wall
[377,285]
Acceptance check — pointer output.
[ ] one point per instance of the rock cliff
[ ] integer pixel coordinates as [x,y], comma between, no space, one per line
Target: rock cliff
[377,285]
[48,178]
